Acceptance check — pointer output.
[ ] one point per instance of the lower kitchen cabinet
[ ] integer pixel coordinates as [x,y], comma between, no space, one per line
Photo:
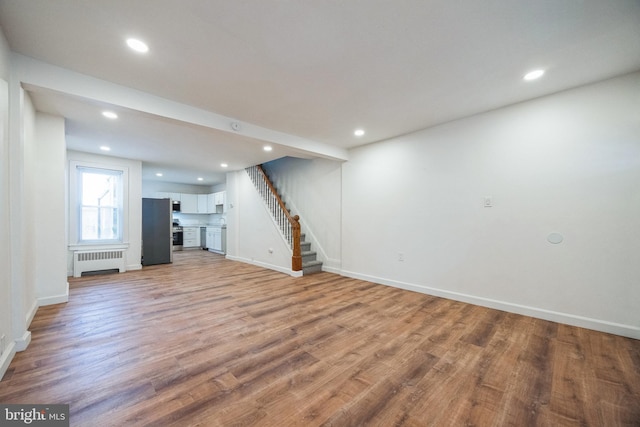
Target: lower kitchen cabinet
[214,239]
[191,237]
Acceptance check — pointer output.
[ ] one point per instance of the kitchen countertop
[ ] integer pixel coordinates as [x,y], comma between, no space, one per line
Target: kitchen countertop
[204,225]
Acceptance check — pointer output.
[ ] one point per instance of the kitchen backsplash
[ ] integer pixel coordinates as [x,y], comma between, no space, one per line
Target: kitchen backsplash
[200,219]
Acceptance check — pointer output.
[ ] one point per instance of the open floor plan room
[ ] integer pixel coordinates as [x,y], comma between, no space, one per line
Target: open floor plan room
[212,342]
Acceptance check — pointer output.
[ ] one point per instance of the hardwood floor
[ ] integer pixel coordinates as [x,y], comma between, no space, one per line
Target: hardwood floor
[211,342]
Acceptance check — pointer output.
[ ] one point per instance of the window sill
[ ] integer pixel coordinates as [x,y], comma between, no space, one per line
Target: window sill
[97,246]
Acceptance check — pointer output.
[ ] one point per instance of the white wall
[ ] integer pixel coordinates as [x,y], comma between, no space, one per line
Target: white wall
[567,163]
[49,223]
[252,235]
[4,56]
[28,234]
[32,256]
[43,238]
[6,351]
[312,189]
[22,287]
[132,220]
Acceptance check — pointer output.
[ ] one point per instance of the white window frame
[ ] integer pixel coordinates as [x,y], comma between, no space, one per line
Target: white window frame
[75,201]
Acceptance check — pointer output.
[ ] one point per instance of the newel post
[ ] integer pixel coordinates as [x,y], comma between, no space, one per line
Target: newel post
[296,259]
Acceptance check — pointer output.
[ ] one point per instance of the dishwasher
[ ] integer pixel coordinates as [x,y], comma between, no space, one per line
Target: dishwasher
[203,238]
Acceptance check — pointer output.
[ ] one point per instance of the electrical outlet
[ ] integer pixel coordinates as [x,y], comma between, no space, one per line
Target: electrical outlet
[488,201]
[400,256]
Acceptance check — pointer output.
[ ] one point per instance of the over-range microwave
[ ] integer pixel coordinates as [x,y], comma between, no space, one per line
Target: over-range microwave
[175,205]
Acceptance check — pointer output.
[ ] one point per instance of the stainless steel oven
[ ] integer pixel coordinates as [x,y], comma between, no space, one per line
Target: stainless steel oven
[178,238]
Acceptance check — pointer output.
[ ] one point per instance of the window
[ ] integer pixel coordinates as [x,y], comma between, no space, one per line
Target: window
[100,204]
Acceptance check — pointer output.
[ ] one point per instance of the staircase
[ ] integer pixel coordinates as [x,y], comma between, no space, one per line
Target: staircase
[310,264]
[302,258]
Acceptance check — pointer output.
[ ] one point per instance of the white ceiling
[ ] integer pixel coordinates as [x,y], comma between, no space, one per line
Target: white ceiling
[313,69]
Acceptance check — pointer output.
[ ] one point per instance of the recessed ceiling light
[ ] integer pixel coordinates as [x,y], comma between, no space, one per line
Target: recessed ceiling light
[358,132]
[224,165]
[533,75]
[159,174]
[110,115]
[105,148]
[200,178]
[138,45]
[267,148]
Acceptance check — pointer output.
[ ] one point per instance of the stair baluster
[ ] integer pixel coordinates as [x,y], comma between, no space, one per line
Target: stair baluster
[289,225]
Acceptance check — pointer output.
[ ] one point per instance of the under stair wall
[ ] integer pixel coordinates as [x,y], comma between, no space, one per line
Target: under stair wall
[287,222]
[312,189]
[252,236]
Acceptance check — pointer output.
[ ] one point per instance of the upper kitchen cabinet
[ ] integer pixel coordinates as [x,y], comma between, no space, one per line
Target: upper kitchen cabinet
[220,197]
[164,195]
[189,203]
[161,195]
[211,203]
[198,203]
[216,202]
[203,207]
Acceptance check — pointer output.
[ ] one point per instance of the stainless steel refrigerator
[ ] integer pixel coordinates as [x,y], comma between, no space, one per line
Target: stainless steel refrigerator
[157,234]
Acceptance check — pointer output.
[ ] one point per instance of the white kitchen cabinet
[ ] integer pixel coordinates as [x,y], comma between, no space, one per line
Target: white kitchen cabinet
[161,195]
[175,197]
[211,202]
[209,235]
[189,203]
[219,198]
[191,237]
[202,204]
[214,239]
[216,202]
[197,203]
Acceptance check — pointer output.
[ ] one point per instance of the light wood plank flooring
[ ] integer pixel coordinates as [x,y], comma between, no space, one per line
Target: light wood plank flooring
[211,342]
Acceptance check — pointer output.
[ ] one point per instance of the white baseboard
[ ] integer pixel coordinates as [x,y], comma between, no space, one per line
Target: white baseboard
[330,269]
[6,358]
[266,265]
[133,267]
[539,313]
[23,342]
[32,312]
[332,265]
[58,299]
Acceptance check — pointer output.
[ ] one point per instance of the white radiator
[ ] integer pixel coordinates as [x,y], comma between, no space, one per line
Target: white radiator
[97,260]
